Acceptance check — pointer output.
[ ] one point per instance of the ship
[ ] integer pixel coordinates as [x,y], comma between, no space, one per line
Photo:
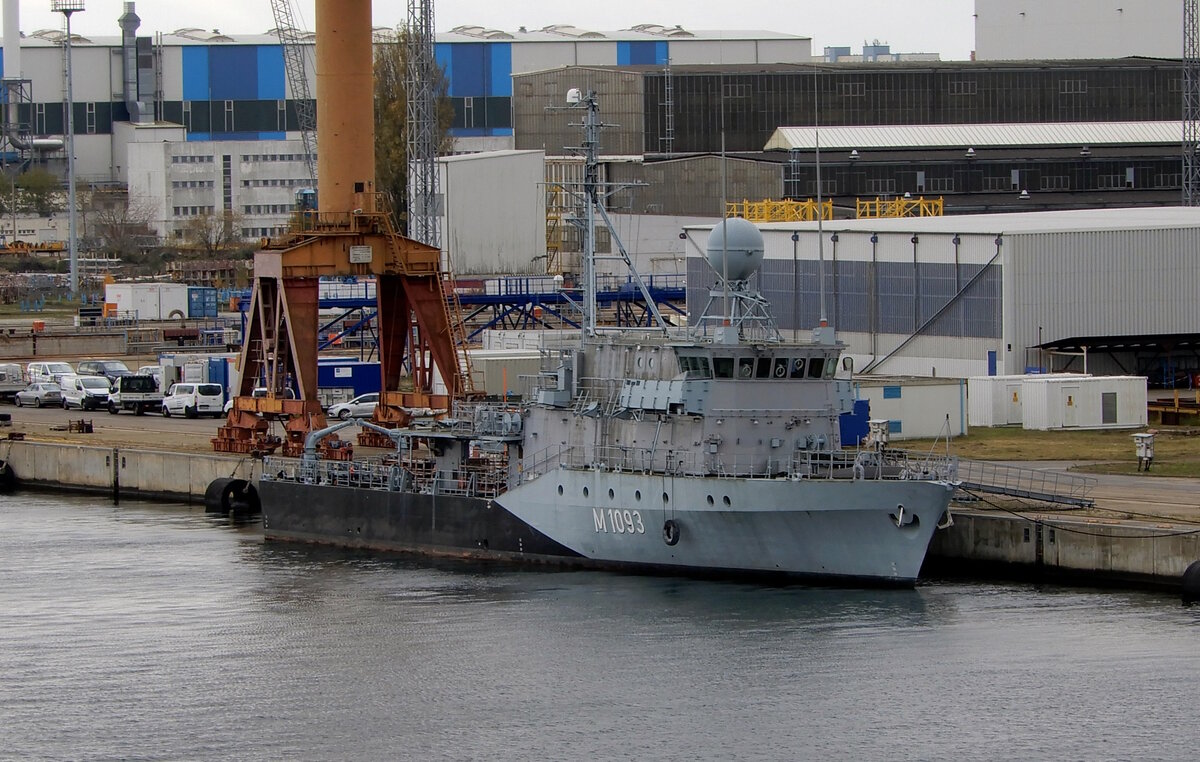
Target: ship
[712,449]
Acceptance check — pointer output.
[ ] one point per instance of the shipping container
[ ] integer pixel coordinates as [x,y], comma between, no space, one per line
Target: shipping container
[1083,402]
[202,302]
[341,379]
[994,400]
[149,301]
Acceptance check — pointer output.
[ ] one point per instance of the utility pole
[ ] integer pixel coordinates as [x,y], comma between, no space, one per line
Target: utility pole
[66,8]
[1191,102]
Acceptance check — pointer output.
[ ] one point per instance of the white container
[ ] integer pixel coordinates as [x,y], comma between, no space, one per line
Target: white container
[149,301]
[1083,402]
[994,400]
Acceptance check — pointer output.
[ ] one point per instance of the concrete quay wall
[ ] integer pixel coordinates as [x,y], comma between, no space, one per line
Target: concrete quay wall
[123,471]
[31,345]
[1073,549]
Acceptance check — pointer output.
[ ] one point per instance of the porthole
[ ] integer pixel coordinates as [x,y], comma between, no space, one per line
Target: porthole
[560,489]
[637,495]
[710,499]
[585,491]
[666,498]
[726,500]
[611,495]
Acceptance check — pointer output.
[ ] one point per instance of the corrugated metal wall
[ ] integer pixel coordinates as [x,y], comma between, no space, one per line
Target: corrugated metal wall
[1099,283]
[929,306]
[692,186]
[538,126]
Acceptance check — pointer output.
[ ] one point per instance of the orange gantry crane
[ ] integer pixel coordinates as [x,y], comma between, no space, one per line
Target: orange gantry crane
[350,233]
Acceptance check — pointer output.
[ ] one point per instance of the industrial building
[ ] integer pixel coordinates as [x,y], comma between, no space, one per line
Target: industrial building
[1107,292]
[1074,134]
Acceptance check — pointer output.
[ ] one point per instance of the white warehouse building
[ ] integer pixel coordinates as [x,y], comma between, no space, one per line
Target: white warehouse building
[1107,292]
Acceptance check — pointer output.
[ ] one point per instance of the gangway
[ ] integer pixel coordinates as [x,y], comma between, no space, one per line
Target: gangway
[1034,484]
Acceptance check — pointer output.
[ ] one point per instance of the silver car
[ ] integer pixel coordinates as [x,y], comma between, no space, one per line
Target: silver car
[362,406]
[39,394]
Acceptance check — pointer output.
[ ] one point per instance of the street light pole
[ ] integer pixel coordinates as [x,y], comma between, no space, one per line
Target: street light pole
[66,8]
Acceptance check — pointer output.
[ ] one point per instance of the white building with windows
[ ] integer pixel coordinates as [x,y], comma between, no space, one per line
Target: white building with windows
[257,180]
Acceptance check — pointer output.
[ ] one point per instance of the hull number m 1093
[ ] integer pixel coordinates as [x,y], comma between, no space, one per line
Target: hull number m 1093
[616,521]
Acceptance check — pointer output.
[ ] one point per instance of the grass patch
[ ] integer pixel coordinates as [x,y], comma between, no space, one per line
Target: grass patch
[1176,448]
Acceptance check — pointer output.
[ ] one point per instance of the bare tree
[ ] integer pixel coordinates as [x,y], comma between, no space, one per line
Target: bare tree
[122,224]
[211,234]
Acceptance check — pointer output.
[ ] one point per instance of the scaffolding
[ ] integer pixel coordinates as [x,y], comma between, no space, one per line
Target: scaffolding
[874,208]
[787,210]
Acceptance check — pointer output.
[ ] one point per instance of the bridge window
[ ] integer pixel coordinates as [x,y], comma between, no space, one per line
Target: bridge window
[781,368]
[816,367]
[830,366]
[764,368]
[798,367]
[746,367]
[723,367]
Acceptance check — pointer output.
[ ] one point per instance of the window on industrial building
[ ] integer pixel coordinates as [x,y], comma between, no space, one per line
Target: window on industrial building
[737,90]
[963,87]
[1072,86]
[939,184]
[881,185]
[852,89]
[1054,183]
[90,118]
[229,116]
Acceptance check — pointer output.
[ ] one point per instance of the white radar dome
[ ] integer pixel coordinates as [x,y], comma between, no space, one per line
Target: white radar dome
[735,249]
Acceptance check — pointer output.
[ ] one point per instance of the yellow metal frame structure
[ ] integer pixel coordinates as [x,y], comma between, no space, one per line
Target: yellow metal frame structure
[899,207]
[787,210]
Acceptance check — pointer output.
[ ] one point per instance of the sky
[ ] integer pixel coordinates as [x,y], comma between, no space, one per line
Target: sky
[909,26]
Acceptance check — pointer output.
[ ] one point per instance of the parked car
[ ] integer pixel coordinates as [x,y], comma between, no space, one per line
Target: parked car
[261,391]
[48,371]
[39,394]
[110,369]
[192,400]
[362,406]
[84,392]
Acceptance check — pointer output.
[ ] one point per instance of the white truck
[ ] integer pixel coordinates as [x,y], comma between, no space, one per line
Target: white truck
[137,393]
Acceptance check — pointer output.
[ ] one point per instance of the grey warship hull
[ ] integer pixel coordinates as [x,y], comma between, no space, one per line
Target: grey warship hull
[859,531]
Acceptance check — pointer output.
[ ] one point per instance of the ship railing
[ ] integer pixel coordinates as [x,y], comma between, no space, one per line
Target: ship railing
[361,474]
[660,460]
[873,464]
[542,461]
[386,476]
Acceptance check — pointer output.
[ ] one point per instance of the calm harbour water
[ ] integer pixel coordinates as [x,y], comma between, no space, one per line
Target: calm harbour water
[152,632]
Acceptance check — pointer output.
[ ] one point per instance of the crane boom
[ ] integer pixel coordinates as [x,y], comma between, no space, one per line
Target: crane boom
[293,66]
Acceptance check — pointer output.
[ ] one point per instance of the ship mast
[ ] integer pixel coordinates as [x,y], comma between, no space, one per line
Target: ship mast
[592,196]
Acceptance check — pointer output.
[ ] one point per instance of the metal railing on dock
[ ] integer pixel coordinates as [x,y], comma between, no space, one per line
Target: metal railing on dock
[1035,484]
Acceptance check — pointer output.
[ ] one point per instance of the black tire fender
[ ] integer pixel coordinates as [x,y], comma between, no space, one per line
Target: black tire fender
[670,532]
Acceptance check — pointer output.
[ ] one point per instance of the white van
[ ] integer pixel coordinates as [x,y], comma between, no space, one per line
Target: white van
[192,400]
[84,392]
[47,372]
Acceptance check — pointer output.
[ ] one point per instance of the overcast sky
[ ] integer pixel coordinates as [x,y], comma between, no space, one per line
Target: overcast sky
[909,26]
